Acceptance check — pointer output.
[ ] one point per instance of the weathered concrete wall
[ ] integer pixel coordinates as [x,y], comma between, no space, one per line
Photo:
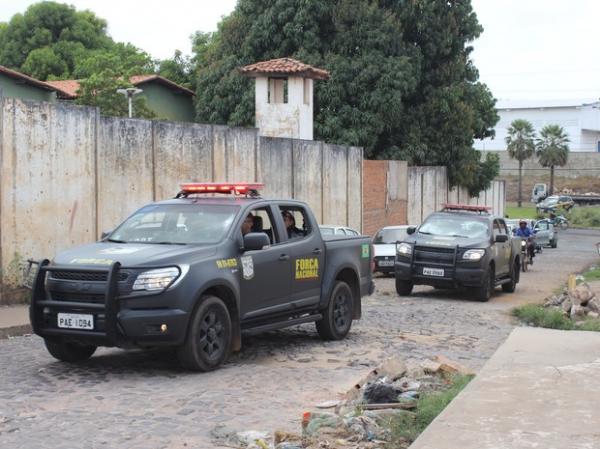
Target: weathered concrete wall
[48,191]
[124,168]
[579,164]
[67,173]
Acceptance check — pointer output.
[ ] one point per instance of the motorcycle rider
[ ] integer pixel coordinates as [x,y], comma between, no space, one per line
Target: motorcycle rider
[525,232]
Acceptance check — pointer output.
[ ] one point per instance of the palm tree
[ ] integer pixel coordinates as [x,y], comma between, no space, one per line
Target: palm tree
[520,143]
[552,149]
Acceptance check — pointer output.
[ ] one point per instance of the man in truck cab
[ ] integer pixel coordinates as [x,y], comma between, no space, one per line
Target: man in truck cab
[247,224]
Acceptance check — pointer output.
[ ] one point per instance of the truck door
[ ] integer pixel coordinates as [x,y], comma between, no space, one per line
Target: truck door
[264,274]
[501,250]
[308,255]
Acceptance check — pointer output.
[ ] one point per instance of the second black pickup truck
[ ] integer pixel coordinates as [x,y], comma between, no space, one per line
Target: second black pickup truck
[196,273]
[461,246]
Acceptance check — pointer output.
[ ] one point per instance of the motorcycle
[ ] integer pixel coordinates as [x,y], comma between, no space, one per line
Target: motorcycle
[525,254]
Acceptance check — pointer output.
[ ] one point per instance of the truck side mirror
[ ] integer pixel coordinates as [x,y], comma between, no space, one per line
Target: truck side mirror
[104,234]
[501,238]
[411,230]
[254,241]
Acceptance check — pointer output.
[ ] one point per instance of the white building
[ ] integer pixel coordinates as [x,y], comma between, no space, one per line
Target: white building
[579,118]
[284,97]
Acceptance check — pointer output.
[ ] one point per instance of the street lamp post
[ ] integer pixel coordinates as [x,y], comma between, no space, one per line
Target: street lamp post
[130,92]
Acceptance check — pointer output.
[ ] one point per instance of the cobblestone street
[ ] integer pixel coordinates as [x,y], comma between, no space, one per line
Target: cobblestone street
[141,399]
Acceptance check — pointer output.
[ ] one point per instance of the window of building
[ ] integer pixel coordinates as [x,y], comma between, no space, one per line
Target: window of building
[306,90]
[278,90]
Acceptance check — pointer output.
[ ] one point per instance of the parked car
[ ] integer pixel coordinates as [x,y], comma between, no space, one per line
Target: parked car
[555,202]
[461,246]
[338,230]
[196,273]
[545,234]
[384,247]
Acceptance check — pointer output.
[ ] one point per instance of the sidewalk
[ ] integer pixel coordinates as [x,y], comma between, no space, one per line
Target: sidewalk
[540,389]
[14,321]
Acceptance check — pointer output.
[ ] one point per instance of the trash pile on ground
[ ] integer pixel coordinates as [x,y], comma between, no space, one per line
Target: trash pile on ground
[578,304]
[363,418]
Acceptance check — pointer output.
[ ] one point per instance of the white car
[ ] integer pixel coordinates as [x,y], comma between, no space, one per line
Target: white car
[384,247]
[337,230]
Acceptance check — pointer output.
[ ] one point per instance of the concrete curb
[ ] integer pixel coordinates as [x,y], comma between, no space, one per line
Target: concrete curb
[15,331]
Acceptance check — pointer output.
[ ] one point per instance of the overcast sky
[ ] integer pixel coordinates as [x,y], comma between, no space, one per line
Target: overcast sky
[530,49]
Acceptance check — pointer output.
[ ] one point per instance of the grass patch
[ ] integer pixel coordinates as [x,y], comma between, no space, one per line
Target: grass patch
[585,217]
[521,212]
[592,275]
[408,426]
[551,318]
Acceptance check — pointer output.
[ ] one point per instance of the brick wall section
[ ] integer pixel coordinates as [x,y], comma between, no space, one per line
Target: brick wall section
[378,209]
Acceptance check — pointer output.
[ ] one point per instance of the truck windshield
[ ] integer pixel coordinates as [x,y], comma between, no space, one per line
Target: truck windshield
[177,224]
[390,236]
[459,226]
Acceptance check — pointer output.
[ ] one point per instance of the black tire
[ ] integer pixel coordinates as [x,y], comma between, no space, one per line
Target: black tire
[514,279]
[404,288]
[69,352]
[485,292]
[208,341]
[337,317]
[553,243]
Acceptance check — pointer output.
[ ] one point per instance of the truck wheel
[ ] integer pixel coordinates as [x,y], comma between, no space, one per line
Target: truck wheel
[485,292]
[337,318]
[514,278]
[69,352]
[404,288]
[208,341]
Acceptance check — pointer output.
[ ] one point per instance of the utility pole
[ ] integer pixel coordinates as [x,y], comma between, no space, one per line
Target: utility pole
[130,92]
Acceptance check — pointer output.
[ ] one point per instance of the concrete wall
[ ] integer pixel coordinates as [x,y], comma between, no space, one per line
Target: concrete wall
[67,173]
[293,119]
[578,164]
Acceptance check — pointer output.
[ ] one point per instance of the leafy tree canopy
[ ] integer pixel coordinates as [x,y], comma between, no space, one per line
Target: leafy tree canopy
[402,84]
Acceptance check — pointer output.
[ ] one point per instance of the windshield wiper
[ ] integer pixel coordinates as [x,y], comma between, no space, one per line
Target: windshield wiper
[168,243]
[115,241]
[425,232]
[459,236]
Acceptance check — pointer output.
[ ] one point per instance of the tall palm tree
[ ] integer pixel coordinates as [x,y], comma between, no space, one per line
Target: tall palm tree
[552,149]
[520,144]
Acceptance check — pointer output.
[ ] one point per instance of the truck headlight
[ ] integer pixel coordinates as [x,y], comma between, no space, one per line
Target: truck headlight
[473,254]
[158,279]
[404,249]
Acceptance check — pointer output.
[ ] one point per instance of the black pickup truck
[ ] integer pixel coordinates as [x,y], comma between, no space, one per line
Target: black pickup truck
[461,246]
[196,273]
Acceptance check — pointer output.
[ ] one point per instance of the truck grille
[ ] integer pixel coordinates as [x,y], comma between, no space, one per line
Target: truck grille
[434,255]
[85,276]
[77,297]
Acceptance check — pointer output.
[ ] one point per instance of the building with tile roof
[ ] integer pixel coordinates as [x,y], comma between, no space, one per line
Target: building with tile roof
[18,85]
[167,99]
[284,96]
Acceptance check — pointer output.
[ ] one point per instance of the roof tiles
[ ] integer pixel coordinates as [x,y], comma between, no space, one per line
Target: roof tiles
[285,66]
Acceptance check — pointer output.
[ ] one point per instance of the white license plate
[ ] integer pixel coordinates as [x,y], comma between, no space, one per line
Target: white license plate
[385,263]
[75,321]
[433,272]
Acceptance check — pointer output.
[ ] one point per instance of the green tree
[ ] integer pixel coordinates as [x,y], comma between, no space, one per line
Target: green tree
[402,84]
[178,69]
[520,144]
[552,149]
[104,72]
[48,39]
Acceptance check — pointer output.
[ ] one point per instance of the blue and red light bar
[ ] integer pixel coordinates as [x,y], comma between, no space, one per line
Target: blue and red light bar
[466,207]
[238,188]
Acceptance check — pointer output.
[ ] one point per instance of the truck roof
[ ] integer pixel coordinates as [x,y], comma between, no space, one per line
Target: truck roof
[228,200]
